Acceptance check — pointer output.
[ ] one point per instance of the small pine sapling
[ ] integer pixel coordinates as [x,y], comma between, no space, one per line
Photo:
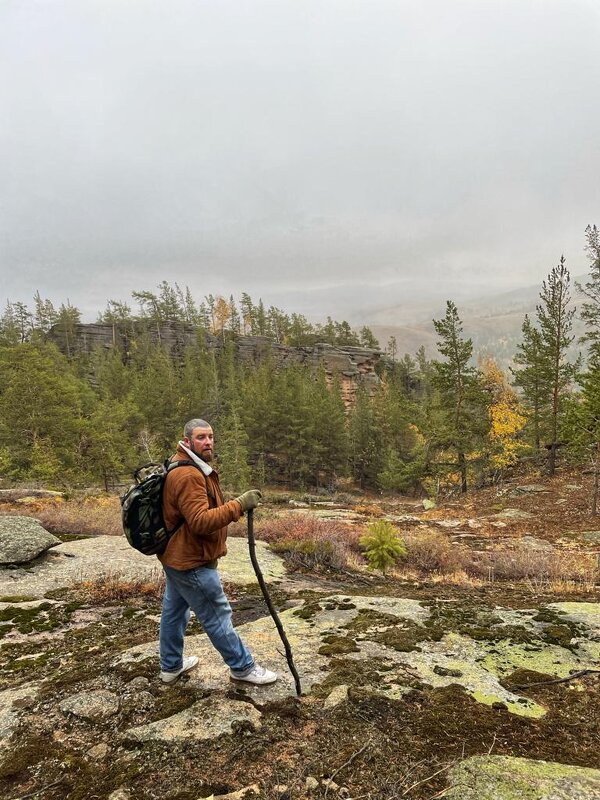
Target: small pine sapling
[382,545]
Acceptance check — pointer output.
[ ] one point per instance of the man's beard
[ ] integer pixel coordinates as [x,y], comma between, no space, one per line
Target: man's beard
[206,455]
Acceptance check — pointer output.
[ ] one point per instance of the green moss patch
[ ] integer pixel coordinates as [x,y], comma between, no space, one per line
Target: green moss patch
[17,598]
[337,645]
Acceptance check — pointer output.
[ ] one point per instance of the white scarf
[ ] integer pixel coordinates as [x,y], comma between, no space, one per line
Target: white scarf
[206,468]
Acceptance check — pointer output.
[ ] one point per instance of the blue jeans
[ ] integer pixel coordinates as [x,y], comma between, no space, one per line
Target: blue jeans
[199,589]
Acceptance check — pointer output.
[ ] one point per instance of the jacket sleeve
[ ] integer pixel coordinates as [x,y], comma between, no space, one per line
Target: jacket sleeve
[189,495]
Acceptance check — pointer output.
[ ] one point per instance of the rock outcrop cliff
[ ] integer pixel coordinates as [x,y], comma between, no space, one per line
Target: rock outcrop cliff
[353,366]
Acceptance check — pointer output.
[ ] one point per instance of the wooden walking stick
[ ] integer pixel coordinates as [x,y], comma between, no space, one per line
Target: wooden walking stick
[269,602]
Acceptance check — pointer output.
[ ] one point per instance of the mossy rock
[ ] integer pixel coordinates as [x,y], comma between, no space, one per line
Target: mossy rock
[337,645]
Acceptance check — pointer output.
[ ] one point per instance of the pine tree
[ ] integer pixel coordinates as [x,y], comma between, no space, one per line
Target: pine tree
[382,544]
[392,348]
[555,323]
[235,322]
[232,443]
[67,320]
[365,443]
[107,445]
[462,407]
[531,378]
[9,330]
[248,313]
[42,407]
[581,424]
[45,315]
[590,308]
[327,449]
[367,339]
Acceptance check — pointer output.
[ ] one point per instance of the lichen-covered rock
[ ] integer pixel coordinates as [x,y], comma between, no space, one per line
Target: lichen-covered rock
[306,627]
[15,495]
[71,562]
[513,513]
[336,697]
[9,716]
[96,705]
[587,614]
[508,778]
[241,794]
[22,539]
[207,719]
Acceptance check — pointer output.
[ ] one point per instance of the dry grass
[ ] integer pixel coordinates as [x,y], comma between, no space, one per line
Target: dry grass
[432,555]
[369,509]
[309,541]
[432,552]
[111,587]
[88,516]
[538,568]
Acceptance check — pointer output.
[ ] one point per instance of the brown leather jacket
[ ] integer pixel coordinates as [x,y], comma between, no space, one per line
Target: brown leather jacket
[198,499]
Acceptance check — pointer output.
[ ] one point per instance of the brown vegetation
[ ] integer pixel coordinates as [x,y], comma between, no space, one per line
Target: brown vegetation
[113,587]
[87,516]
[309,541]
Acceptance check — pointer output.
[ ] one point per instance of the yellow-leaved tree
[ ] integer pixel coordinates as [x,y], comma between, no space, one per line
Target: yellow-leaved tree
[507,418]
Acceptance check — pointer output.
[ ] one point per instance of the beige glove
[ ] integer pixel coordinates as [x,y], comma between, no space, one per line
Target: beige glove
[249,499]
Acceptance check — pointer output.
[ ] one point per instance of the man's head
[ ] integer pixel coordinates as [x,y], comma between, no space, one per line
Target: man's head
[199,438]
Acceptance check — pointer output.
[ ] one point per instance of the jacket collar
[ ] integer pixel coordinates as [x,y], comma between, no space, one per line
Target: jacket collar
[206,468]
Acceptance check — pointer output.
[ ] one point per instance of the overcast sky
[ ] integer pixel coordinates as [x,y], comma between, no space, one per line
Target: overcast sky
[328,155]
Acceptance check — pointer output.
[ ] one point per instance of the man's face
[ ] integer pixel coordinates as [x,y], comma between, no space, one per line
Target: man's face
[202,443]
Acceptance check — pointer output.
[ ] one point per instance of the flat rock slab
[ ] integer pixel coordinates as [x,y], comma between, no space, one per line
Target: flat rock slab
[236,567]
[531,488]
[71,562]
[477,666]
[207,719]
[9,710]
[305,636]
[513,513]
[22,539]
[97,705]
[587,614]
[508,778]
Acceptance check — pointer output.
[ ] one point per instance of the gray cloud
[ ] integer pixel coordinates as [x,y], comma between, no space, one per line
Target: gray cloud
[359,150]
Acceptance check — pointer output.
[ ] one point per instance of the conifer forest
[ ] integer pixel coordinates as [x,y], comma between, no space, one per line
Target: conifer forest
[69,417]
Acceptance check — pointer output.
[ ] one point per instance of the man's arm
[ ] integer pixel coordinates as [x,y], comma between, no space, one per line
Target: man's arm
[186,488]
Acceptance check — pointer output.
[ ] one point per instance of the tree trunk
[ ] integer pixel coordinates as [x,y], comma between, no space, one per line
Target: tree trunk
[552,459]
[596,481]
[462,465]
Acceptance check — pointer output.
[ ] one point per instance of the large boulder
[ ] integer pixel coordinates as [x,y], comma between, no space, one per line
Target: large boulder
[22,539]
[16,495]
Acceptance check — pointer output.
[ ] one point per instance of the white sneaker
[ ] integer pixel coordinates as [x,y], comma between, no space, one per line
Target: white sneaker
[188,663]
[257,675]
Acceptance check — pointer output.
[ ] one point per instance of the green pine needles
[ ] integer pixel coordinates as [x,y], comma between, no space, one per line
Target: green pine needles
[382,545]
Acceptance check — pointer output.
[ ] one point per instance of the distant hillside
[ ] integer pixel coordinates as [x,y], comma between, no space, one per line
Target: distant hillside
[493,322]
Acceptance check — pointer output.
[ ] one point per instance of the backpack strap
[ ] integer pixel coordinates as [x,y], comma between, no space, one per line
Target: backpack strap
[170,465]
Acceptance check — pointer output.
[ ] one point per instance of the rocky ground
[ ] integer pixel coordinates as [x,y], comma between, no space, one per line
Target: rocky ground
[414,689]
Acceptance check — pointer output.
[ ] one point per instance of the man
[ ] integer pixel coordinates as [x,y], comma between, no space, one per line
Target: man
[193,498]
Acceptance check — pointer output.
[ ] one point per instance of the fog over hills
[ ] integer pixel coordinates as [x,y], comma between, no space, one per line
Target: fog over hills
[492,321]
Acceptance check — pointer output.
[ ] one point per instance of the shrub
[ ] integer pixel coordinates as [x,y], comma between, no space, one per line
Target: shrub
[90,516]
[521,562]
[109,587]
[382,544]
[94,516]
[431,551]
[311,553]
[369,510]
[307,540]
